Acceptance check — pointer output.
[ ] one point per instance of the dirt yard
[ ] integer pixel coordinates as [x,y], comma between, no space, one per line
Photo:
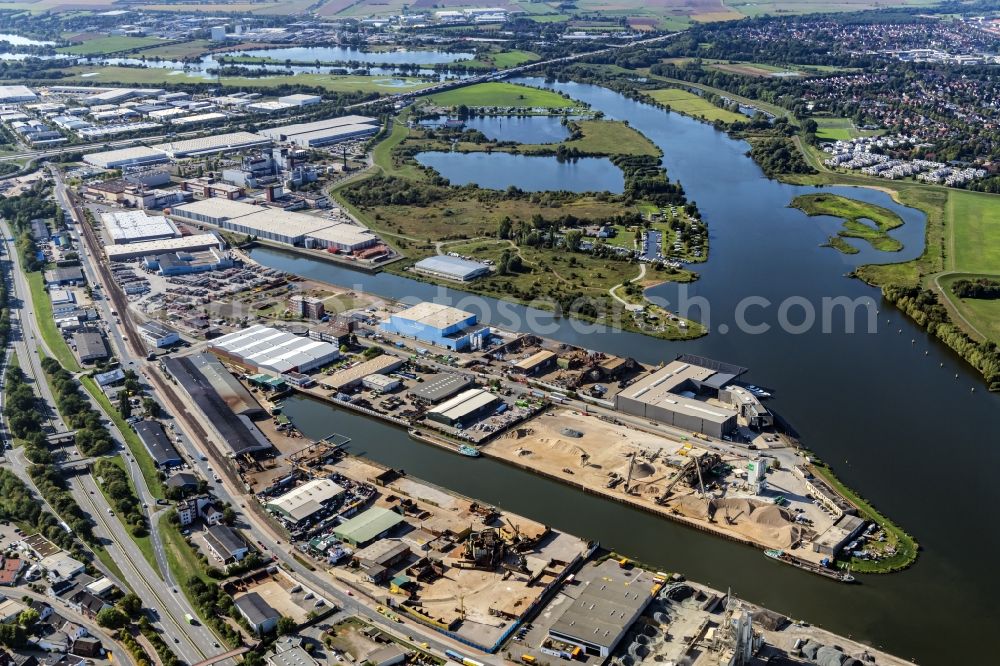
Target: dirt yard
[588,451]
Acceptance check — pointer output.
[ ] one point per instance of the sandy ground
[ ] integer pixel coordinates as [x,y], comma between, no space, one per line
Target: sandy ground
[546,444]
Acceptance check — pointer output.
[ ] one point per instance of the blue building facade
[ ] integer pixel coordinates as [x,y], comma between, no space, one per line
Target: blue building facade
[439,325]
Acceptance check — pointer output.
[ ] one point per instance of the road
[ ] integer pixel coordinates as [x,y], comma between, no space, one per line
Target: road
[194,643]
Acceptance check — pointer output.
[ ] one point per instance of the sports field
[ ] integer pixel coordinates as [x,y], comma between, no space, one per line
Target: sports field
[693,105]
[502,95]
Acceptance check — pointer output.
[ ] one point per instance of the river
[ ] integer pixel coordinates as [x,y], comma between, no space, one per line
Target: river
[896,418]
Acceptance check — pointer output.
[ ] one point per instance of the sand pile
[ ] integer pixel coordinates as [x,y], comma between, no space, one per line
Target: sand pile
[761,521]
[642,470]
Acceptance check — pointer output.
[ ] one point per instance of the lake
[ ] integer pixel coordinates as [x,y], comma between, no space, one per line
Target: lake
[531,173]
[889,409]
[18,40]
[522,129]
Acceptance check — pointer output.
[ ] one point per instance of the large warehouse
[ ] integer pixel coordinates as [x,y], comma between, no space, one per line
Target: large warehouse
[277,225]
[604,609]
[147,248]
[162,450]
[270,350]
[324,132]
[225,410]
[367,526]
[440,325]
[440,388]
[210,145]
[354,375]
[465,407]
[15,94]
[303,502]
[135,226]
[671,395]
[451,268]
[124,157]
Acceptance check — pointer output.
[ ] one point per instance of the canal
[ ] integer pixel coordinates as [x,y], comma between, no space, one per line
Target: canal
[891,409]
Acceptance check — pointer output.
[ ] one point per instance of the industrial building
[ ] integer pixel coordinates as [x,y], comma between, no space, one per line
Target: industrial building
[225,544]
[305,501]
[213,144]
[439,325]
[123,157]
[353,376]
[368,526]
[229,409]
[153,437]
[300,100]
[186,263]
[135,226]
[605,608]
[157,335]
[440,388]
[464,408]
[324,132]
[671,395]
[277,225]
[838,535]
[270,350]
[214,211]
[90,346]
[16,94]
[192,243]
[451,268]
[257,612]
[382,383]
[538,361]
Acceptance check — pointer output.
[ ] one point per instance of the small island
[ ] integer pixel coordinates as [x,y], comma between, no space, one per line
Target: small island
[862,220]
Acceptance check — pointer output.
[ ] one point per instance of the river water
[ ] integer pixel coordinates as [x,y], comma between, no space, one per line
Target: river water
[892,410]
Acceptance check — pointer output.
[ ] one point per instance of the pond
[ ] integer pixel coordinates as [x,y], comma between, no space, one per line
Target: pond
[531,173]
[339,54]
[522,129]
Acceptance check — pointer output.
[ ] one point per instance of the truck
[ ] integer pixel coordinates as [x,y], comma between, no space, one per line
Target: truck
[190,619]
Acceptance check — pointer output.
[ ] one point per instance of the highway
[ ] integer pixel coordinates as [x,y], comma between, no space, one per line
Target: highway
[193,643]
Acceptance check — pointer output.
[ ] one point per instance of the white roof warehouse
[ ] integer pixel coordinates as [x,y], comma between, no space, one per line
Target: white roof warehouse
[277,225]
[269,349]
[324,132]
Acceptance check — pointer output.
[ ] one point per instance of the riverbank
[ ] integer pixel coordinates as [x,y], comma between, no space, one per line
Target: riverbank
[858,218]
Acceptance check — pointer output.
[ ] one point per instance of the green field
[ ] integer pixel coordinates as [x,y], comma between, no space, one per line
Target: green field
[693,105]
[144,543]
[178,51]
[975,229]
[108,45]
[157,76]
[502,59]
[840,129]
[606,137]
[47,324]
[854,213]
[502,95]
[982,314]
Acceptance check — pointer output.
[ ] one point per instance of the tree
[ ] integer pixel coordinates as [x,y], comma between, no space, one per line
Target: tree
[28,618]
[573,238]
[130,604]
[286,625]
[151,407]
[112,618]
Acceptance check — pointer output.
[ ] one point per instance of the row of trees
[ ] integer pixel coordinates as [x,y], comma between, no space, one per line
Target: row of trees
[115,484]
[92,436]
[977,288]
